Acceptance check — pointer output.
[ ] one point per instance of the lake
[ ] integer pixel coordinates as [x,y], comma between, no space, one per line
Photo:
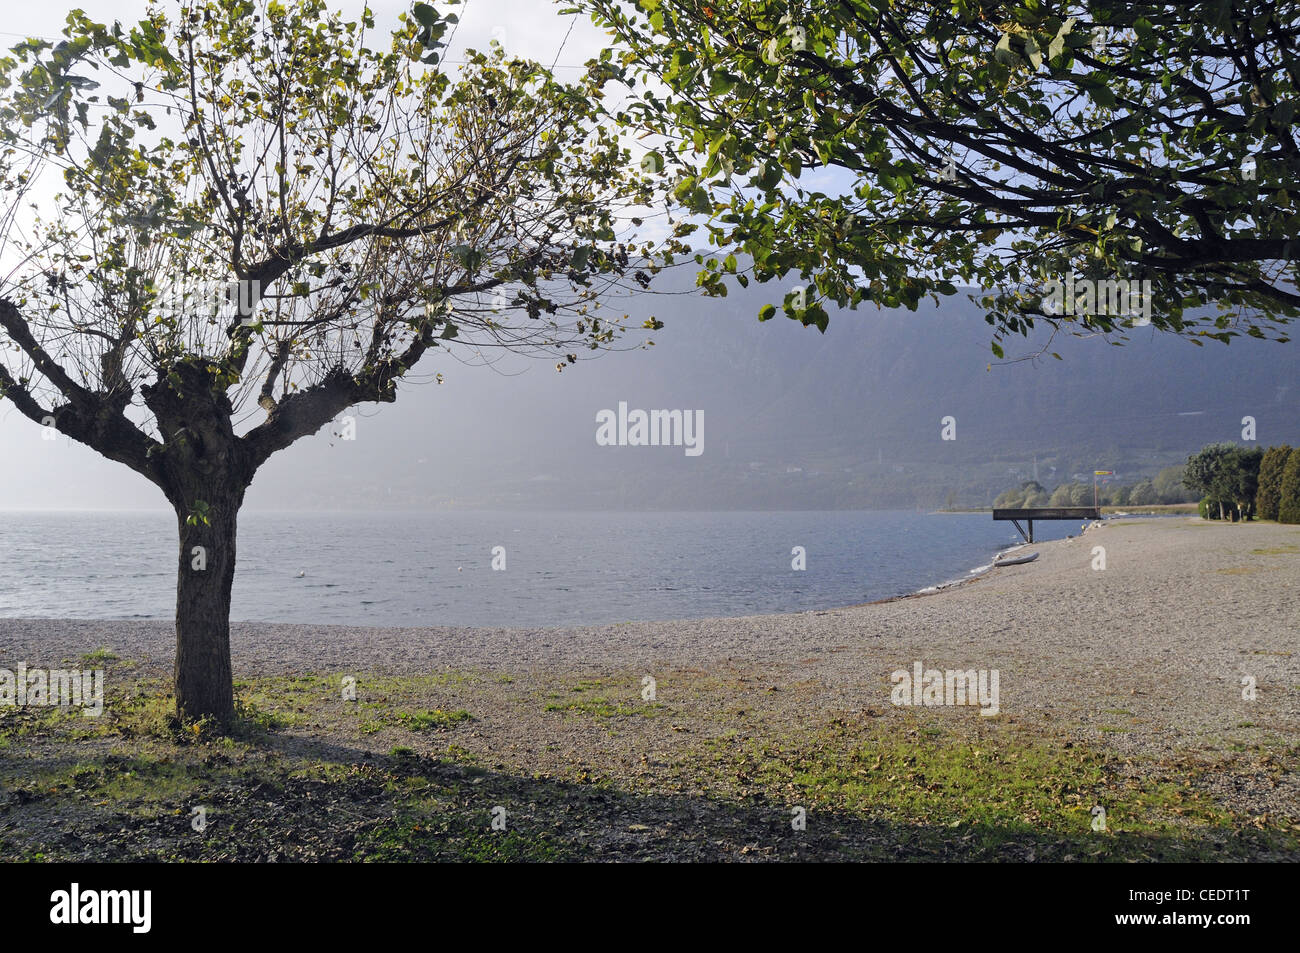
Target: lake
[435,568]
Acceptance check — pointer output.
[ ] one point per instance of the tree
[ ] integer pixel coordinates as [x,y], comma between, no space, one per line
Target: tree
[1081,494]
[1242,483]
[1035,498]
[1143,494]
[1209,472]
[878,153]
[1010,499]
[1169,485]
[1288,510]
[1270,482]
[1030,493]
[1066,493]
[359,209]
[1227,474]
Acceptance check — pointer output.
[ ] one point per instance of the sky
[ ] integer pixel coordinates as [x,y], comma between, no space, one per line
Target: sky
[438,428]
[532,28]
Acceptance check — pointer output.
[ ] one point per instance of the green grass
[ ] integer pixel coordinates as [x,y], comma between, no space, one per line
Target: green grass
[1001,787]
[598,698]
[910,785]
[603,708]
[434,720]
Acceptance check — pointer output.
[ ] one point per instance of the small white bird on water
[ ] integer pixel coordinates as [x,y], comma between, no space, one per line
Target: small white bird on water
[301,573]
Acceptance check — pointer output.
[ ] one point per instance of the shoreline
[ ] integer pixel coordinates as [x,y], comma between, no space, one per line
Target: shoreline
[972,576]
[1120,687]
[1191,589]
[925,590]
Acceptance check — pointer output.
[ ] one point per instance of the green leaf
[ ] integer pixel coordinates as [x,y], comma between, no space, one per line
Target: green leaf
[721,83]
[769,178]
[424,14]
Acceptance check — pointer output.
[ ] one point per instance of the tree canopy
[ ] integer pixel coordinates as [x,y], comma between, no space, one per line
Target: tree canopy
[878,152]
[1227,474]
[378,207]
[233,220]
[1271,466]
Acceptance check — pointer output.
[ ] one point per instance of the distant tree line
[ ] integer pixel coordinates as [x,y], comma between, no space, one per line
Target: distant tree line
[1246,483]
[1229,482]
[1166,487]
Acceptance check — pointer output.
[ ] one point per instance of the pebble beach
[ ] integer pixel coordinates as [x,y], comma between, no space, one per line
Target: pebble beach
[1182,612]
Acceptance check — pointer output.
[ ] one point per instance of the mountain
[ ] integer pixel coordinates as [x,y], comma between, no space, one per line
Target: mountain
[797,419]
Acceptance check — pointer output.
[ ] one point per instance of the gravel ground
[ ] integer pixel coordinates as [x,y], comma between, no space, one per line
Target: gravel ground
[1183,611]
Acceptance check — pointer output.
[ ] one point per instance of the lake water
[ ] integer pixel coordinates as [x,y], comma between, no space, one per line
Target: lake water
[408,569]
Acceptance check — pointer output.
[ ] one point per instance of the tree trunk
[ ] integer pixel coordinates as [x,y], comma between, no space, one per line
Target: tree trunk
[206,573]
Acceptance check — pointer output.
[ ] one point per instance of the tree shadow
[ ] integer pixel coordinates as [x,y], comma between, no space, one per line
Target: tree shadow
[303,798]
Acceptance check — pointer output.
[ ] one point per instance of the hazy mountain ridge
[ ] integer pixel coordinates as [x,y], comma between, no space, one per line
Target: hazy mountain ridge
[852,418]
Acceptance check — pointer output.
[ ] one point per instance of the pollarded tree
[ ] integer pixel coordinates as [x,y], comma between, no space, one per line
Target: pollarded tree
[358,207]
[879,152]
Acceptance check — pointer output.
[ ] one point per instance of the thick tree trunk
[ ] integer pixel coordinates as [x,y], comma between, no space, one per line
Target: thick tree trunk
[206,574]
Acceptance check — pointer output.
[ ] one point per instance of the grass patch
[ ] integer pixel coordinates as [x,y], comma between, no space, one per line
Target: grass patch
[602,705]
[435,720]
[1000,787]
[911,785]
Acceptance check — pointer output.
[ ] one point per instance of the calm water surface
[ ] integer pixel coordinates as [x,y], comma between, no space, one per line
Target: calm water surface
[392,569]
